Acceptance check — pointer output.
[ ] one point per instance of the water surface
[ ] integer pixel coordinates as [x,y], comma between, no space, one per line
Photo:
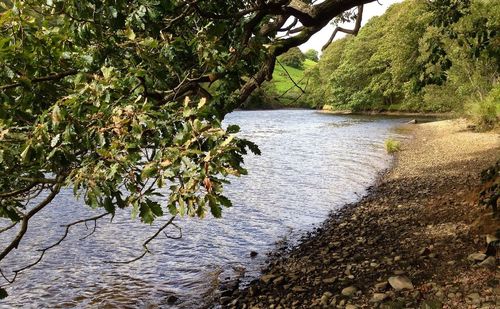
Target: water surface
[311,164]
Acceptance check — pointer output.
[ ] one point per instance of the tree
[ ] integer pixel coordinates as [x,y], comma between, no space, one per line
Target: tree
[312,54]
[118,99]
[293,58]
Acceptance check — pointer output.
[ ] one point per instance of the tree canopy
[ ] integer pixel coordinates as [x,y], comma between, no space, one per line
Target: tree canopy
[442,56]
[119,99]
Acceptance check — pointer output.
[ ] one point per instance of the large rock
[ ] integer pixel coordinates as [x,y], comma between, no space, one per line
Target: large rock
[490,261]
[477,257]
[349,291]
[431,304]
[400,283]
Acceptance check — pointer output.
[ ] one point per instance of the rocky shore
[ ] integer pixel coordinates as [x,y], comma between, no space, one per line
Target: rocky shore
[416,241]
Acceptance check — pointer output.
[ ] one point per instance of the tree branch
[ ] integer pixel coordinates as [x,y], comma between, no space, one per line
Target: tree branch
[58,242]
[145,244]
[354,31]
[42,79]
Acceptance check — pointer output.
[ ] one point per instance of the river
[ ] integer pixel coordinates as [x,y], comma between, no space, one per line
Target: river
[311,164]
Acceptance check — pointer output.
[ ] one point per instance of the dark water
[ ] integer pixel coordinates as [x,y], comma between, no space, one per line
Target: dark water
[311,164]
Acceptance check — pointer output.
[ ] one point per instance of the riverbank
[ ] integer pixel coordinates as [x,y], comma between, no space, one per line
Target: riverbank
[406,244]
[388,113]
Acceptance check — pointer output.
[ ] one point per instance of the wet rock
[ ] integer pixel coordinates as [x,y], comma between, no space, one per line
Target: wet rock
[400,283]
[477,257]
[349,291]
[172,299]
[253,254]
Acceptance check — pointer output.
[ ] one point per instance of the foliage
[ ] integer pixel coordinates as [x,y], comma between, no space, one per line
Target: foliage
[442,56]
[123,101]
[392,146]
[293,58]
[312,54]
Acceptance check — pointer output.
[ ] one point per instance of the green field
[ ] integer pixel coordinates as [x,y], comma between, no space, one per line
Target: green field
[281,80]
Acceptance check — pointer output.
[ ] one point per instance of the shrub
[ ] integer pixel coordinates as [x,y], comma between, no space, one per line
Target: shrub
[392,146]
[486,113]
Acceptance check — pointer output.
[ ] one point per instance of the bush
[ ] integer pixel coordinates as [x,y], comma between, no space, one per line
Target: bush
[392,146]
[486,113]
[293,58]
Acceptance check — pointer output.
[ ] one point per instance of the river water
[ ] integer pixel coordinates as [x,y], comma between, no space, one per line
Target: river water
[311,164]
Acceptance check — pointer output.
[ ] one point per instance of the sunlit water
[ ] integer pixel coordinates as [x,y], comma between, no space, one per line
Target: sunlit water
[311,164]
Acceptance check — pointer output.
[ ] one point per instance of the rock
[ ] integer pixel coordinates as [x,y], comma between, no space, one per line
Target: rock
[299,289]
[350,306]
[397,258]
[349,291]
[413,121]
[279,280]
[491,261]
[267,278]
[382,286]
[475,298]
[477,257]
[431,304]
[253,254]
[378,297]
[172,299]
[325,298]
[400,283]
[491,238]
[424,251]
[329,280]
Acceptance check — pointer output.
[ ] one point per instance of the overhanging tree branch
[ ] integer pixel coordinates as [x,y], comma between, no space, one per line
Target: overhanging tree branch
[353,31]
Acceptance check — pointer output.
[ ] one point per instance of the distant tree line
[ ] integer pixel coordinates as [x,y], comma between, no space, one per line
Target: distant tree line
[420,56]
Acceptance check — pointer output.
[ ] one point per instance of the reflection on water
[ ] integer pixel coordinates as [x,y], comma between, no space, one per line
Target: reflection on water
[311,164]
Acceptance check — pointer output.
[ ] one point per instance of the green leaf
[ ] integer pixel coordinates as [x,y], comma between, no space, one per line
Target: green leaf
[149,170]
[149,210]
[108,205]
[233,129]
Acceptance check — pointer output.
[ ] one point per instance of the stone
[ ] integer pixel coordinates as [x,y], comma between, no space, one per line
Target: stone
[491,238]
[431,304]
[253,254]
[349,291]
[299,289]
[267,278]
[172,299]
[400,283]
[382,286]
[424,251]
[279,280]
[350,306]
[378,297]
[477,257]
[490,261]
[329,280]
[474,297]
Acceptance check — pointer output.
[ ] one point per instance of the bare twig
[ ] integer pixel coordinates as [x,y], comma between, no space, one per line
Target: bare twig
[145,244]
[58,242]
[290,77]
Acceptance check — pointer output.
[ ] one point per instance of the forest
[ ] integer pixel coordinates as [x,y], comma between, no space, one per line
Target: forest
[419,56]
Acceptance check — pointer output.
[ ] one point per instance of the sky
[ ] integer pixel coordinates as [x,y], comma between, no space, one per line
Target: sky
[371,9]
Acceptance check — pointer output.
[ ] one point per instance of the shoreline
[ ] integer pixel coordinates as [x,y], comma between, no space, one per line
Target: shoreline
[387,113]
[417,225]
